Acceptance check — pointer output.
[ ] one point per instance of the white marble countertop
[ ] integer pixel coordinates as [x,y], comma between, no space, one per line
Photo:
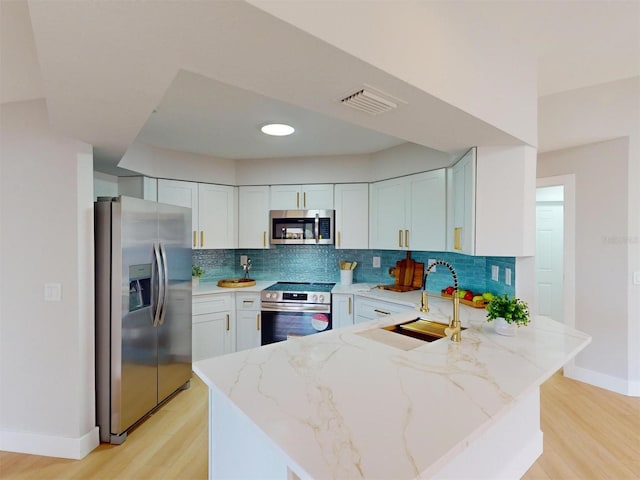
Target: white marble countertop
[341,404]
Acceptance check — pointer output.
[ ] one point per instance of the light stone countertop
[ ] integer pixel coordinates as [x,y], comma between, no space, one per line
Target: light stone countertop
[343,404]
[206,288]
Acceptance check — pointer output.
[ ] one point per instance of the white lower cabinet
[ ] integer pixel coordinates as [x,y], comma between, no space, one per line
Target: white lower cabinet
[369,309]
[247,321]
[213,331]
[341,310]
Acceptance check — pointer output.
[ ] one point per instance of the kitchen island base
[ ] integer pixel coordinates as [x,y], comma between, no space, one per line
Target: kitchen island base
[506,449]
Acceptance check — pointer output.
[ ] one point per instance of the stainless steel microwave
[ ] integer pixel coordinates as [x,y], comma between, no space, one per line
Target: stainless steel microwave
[301,227]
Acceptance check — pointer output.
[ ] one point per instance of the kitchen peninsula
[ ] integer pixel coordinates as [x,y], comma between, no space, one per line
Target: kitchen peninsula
[350,404]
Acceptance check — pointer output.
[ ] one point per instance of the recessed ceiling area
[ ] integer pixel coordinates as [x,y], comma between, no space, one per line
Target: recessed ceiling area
[201,115]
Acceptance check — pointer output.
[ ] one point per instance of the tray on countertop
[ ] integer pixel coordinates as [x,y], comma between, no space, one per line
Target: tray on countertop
[482,304]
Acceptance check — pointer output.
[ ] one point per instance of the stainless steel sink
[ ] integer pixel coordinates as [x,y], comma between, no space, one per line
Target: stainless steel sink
[422,329]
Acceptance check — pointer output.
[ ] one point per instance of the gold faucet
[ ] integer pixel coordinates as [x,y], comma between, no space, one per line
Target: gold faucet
[454,325]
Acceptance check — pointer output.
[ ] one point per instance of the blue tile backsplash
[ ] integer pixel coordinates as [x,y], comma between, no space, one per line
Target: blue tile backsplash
[319,263]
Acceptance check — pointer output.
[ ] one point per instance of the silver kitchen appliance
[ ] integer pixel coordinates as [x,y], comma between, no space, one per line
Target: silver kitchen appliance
[301,227]
[143,309]
[294,309]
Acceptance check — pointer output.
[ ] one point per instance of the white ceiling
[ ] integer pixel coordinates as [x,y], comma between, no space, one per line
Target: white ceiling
[105,66]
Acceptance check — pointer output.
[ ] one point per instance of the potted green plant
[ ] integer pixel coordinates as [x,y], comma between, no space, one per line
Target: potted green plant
[196,273]
[509,313]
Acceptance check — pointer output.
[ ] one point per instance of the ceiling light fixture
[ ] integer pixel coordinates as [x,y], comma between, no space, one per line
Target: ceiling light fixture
[278,129]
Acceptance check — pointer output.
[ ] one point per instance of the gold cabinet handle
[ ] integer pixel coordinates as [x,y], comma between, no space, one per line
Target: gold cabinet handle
[381,312]
[338,239]
[406,238]
[400,238]
[297,199]
[349,308]
[304,202]
[457,233]
[227,322]
[202,238]
[264,239]
[195,239]
[258,321]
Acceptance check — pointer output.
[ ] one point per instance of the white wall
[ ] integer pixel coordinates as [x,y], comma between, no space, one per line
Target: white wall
[593,114]
[104,185]
[406,159]
[46,348]
[162,163]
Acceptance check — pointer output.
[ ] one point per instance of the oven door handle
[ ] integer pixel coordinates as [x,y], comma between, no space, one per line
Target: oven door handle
[295,308]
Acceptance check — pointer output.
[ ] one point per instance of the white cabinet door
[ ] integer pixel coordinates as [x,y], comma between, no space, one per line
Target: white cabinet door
[217,216]
[213,210]
[211,335]
[302,197]
[213,330]
[253,217]
[352,215]
[388,208]
[182,194]
[461,233]
[428,211]
[341,310]
[317,197]
[247,321]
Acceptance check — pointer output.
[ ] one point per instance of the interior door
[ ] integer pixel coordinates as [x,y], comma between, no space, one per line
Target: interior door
[549,259]
[174,329]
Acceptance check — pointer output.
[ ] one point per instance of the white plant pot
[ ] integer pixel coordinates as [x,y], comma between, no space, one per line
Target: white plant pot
[195,281]
[504,328]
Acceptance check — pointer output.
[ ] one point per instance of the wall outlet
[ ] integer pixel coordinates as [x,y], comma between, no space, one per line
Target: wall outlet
[243,259]
[376,262]
[636,278]
[507,276]
[52,292]
[495,273]
[430,262]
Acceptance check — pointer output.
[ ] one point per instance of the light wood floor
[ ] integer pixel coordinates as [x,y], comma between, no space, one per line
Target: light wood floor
[589,433]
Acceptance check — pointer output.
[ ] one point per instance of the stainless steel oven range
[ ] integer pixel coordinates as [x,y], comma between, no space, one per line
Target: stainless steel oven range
[295,309]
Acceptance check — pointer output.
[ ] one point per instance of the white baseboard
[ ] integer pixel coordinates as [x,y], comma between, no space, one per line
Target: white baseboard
[597,379]
[49,445]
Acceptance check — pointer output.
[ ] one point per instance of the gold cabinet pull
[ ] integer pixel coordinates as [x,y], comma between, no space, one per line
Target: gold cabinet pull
[304,202]
[457,233]
[258,321]
[349,308]
[297,199]
[400,238]
[202,238]
[195,239]
[264,239]
[338,239]
[381,312]
[227,322]
[406,238]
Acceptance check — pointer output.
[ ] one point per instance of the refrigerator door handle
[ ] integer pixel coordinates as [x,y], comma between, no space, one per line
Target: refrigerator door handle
[165,272]
[160,299]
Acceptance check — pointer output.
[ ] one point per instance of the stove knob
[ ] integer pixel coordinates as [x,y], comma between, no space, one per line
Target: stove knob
[314,298]
[321,298]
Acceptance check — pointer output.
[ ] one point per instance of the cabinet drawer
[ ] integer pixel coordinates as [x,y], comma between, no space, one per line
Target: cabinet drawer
[248,301]
[371,309]
[211,303]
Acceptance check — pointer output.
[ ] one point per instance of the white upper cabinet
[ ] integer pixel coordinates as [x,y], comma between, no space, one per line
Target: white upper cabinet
[253,217]
[352,215]
[492,202]
[213,210]
[302,197]
[409,213]
[462,198]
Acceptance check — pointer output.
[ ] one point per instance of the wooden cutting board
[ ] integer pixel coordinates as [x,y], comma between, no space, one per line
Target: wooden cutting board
[408,275]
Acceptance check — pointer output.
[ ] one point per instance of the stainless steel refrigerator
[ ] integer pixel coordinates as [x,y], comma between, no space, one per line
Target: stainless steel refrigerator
[143,309]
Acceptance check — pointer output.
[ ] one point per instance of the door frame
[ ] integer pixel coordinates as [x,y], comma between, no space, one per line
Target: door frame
[569,242]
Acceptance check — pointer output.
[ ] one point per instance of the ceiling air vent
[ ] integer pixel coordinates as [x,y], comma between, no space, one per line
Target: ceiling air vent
[369,101]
